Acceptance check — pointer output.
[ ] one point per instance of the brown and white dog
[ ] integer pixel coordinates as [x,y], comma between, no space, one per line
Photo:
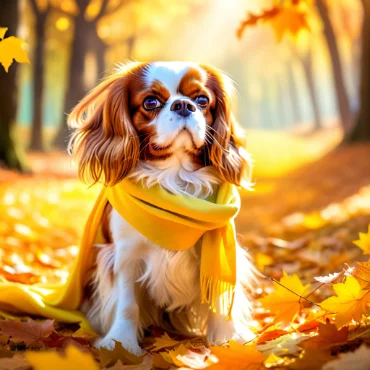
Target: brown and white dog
[166,123]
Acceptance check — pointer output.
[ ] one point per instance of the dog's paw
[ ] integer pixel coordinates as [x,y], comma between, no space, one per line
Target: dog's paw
[109,343]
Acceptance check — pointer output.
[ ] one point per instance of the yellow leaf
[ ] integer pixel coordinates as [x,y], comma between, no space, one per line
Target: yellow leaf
[237,357]
[3,32]
[171,356]
[350,304]
[73,359]
[110,357]
[288,20]
[364,241]
[164,342]
[12,48]
[283,302]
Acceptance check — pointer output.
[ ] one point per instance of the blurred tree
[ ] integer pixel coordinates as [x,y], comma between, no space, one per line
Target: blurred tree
[85,28]
[340,88]
[305,59]
[8,92]
[362,128]
[293,92]
[41,13]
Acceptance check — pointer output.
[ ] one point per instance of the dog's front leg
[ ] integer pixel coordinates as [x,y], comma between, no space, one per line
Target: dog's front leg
[125,321]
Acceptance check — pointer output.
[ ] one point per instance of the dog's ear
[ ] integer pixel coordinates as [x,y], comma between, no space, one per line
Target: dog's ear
[105,142]
[227,149]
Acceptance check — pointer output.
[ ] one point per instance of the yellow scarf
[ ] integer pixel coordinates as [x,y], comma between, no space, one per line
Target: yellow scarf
[174,222]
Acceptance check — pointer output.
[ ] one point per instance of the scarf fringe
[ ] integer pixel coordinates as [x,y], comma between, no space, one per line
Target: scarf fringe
[218,294]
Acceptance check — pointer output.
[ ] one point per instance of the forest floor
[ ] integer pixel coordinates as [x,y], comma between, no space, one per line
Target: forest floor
[302,222]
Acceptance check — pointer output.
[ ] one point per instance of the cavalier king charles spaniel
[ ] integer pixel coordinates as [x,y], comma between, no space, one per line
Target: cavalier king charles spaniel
[166,123]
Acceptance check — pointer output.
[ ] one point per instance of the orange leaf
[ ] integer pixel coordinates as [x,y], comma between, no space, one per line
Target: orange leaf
[285,301]
[270,335]
[237,357]
[288,20]
[328,334]
[164,342]
[30,332]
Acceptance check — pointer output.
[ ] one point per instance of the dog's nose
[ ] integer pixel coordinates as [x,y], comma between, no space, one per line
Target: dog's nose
[183,107]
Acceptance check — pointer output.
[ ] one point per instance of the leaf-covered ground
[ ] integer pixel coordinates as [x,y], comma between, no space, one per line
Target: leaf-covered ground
[311,311]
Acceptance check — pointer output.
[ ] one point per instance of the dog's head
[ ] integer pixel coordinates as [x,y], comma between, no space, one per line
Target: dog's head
[149,112]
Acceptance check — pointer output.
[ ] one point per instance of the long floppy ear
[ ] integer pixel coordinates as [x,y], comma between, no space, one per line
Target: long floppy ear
[227,150]
[105,142]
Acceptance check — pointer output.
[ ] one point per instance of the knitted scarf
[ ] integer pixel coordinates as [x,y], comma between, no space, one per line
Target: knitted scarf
[174,222]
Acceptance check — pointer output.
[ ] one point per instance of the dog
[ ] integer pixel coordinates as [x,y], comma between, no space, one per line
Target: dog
[166,123]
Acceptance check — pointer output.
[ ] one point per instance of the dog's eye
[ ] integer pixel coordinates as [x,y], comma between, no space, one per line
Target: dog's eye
[151,103]
[202,101]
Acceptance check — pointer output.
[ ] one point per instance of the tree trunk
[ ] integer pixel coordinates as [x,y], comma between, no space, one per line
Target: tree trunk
[293,93]
[362,130]
[340,89]
[98,47]
[37,143]
[75,86]
[308,73]
[8,93]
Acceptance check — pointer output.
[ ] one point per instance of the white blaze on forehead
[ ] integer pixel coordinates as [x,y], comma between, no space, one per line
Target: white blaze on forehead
[169,74]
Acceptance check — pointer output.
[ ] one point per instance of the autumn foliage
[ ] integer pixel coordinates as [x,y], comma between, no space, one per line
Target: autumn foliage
[286,18]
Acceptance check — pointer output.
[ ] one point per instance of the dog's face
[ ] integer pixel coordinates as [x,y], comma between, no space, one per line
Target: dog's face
[152,111]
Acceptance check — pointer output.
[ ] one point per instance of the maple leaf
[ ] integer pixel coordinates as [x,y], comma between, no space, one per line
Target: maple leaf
[350,304]
[164,342]
[364,241]
[359,360]
[288,20]
[110,357]
[172,357]
[11,48]
[237,357]
[362,273]
[72,359]
[311,359]
[30,332]
[328,334]
[284,302]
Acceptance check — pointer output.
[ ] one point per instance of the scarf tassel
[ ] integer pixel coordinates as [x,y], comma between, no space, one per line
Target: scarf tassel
[218,294]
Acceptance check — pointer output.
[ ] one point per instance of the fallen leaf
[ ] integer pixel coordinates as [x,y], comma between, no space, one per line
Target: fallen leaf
[164,342]
[350,304]
[364,241]
[270,335]
[284,345]
[110,357]
[30,332]
[237,357]
[285,301]
[17,362]
[172,356]
[147,364]
[328,335]
[71,359]
[311,359]
[159,362]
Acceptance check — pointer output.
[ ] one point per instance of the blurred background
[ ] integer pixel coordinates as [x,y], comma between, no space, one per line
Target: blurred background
[304,103]
[288,91]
